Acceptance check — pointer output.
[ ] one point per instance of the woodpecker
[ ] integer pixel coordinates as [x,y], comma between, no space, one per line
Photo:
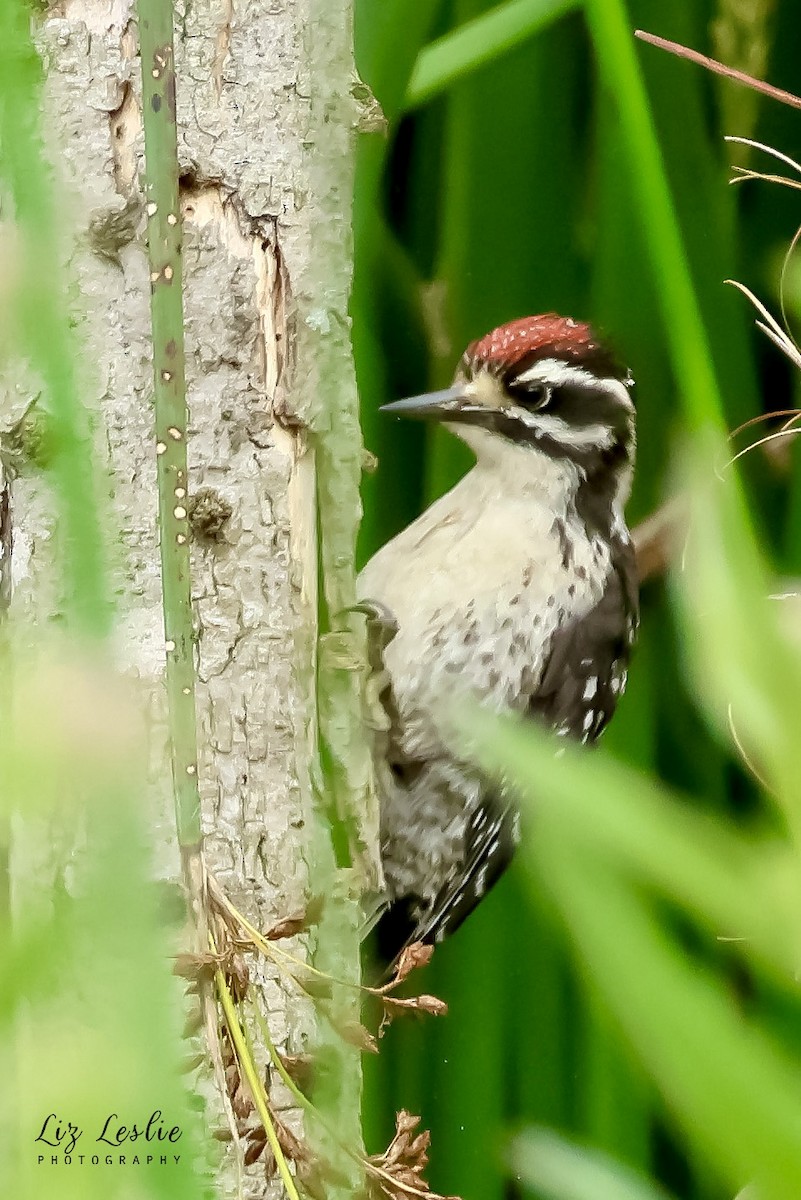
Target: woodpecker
[517,588]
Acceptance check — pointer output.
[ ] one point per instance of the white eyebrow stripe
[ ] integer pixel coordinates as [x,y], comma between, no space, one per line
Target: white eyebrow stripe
[555,373]
[548,425]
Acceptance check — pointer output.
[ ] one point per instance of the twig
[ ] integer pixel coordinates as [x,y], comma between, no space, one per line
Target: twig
[770,326]
[771,150]
[711,64]
[792,431]
[768,416]
[746,174]
[281,958]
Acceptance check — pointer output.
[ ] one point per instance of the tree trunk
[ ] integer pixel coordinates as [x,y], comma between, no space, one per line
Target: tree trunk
[265,124]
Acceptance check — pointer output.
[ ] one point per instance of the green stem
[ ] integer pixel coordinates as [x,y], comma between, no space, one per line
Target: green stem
[684,326]
[164,243]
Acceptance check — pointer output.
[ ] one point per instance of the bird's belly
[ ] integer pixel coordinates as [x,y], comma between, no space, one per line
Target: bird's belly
[486,645]
[478,593]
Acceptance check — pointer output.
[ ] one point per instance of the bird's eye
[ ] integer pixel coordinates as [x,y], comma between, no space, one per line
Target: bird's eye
[537,396]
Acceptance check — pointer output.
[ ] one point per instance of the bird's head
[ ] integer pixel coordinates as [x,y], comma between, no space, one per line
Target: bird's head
[543,385]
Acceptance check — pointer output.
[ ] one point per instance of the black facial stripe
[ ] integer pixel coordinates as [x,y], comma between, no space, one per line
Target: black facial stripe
[601,468]
[581,406]
[515,429]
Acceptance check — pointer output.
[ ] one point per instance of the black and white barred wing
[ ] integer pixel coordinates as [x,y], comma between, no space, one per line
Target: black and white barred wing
[492,836]
[586,669]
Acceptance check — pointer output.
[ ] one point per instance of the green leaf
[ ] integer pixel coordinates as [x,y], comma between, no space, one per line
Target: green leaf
[735,886]
[612,37]
[479,41]
[744,667]
[733,1087]
[560,1170]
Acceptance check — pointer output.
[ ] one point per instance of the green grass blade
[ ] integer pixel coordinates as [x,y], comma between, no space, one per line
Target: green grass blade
[733,1086]
[744,668]
[692,361]
[90,1012]
[40,313]
[559,1170]
[629,820]
[478,42]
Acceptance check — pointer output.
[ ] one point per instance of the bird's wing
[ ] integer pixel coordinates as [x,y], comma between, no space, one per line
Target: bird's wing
[490,840]
[490,843]
[585,671]
[584,674]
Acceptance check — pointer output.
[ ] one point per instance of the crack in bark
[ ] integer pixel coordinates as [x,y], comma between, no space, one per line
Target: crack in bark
[6,539]
[125,121]
[222,45]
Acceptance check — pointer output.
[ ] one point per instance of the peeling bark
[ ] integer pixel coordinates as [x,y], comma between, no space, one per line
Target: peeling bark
[256,203]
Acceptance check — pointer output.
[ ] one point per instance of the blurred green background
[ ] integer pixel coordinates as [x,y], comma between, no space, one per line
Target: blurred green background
[516,188]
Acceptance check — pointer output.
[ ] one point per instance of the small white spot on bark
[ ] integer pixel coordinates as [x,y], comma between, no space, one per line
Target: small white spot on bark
[152,209]
[191,769]
[166,376]
[588,720]
[181,539]
[179,513]
[175,434]
[160,448]
[172,219]
[169,646]
[179,493]
[168,273]
[591,688]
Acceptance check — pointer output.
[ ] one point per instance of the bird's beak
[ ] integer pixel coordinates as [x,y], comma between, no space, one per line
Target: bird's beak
[433,405]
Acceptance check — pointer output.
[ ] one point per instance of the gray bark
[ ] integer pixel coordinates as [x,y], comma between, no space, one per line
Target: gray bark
[254,197]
